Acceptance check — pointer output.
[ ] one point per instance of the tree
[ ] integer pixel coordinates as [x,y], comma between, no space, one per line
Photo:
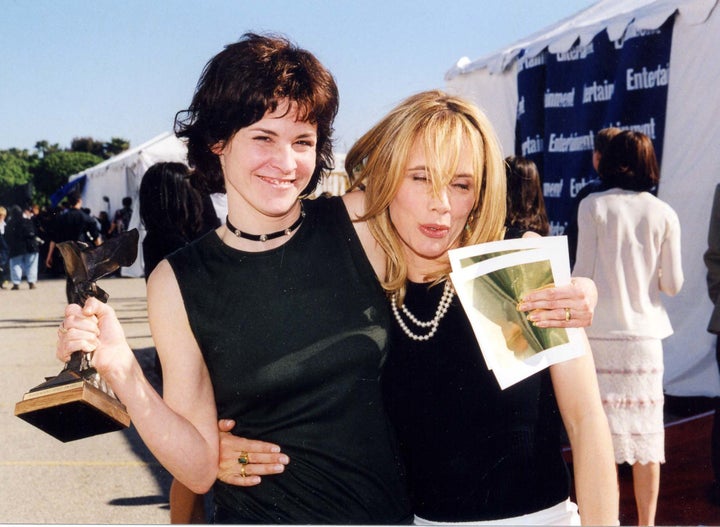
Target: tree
[49,167]
[15,168]
[43,148]
[100,148]
[116,146]
[88,145]
[53,170]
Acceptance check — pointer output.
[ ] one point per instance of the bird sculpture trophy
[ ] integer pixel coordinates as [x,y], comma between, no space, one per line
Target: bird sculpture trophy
[77,403]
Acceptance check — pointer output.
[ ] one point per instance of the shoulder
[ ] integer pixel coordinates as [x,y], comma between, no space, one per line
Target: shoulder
[162,284]
[354,203]
[659,205]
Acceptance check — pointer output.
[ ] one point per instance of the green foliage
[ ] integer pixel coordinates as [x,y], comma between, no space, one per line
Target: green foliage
[44,148]
[53,170]
[49,166]
[101,149]
[14,170]
[116,146]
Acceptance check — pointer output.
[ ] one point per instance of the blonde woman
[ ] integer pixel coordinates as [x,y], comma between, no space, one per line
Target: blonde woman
[434,180]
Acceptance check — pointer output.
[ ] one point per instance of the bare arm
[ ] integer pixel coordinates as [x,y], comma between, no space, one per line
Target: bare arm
[181,430]
[578,397]
[355,204]
[49,257]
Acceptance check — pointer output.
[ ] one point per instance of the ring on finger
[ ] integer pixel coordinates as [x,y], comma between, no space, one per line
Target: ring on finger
[62,329]
[568,316]
[242,471]
[244,458]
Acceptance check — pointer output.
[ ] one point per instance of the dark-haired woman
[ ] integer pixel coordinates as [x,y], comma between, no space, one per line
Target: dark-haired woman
[629,243]
[525,203]
[275,320]
[172,212]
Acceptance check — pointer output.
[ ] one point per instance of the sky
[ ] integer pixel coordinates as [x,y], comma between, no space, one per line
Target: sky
[104,69]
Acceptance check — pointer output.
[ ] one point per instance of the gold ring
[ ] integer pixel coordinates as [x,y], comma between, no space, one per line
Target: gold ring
[62,329]
[242,471]
[244,458]
[567,314]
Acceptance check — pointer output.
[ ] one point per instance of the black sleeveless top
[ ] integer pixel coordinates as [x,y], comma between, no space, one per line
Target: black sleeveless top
[295,339]
[472,451]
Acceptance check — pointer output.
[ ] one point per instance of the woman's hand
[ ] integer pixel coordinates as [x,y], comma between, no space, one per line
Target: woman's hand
[94,328]
[567,306]
[243,461]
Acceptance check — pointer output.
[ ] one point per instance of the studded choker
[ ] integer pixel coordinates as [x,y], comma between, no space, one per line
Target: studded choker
[270,236]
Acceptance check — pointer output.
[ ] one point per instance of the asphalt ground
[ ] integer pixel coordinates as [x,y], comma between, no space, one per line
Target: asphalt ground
[105,479]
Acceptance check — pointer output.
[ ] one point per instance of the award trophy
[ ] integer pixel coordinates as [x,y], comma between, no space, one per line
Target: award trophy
[77,403]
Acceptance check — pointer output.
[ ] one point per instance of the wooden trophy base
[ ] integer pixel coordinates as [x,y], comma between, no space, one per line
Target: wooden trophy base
[72,410]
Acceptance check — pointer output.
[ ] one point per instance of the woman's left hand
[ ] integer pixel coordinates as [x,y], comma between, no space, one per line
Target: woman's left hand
[567,306]
[243,461]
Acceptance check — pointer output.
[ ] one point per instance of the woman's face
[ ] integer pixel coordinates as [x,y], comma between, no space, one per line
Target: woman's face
[268,164]
[429,225]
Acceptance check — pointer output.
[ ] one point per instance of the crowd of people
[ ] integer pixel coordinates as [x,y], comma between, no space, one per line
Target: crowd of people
[29,236]
[363,397]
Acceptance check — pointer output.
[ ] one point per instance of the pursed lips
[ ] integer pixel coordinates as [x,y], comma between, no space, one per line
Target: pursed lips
[433,230]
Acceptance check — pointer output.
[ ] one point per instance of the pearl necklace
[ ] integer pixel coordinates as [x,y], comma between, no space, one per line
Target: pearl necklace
[442,308]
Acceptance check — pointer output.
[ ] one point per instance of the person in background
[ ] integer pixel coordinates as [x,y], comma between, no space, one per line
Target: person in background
[104,220]
[712,263]
[602,138]
[525,202]
[171,210]
[474,453]
[73,224]
[4,250]
[629,243]
[121,220]
[22,241]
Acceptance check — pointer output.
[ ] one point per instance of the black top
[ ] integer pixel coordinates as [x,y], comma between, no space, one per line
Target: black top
[472,450]
[20,235]
[295,339]
[75,225]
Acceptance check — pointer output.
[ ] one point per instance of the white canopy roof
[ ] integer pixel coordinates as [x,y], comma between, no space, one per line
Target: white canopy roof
[611,15]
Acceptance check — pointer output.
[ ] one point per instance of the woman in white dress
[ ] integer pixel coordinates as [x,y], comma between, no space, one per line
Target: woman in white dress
[629,244]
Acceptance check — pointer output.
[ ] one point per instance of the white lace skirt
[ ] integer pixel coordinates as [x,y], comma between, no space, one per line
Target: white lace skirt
[630,374]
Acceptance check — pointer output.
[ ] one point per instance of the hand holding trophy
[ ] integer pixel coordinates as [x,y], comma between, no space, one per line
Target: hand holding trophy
[77,403]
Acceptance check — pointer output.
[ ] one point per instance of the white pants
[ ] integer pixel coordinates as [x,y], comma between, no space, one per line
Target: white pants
[564,513]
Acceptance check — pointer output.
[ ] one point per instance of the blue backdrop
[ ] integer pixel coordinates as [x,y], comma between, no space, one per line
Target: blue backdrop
[565,98]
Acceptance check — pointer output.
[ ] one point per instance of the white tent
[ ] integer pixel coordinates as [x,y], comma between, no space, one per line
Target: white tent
[120,176]
[691,157]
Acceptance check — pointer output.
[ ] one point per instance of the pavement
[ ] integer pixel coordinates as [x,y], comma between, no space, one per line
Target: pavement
[106,479]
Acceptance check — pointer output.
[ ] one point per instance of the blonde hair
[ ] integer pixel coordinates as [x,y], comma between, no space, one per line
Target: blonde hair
[444,124]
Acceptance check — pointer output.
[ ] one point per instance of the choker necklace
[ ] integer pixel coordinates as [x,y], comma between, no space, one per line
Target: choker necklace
[442,308]
[265,237]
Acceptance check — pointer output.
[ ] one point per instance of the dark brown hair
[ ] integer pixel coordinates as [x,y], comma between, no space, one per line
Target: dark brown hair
[525,201]
[239,86]
[629,162]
